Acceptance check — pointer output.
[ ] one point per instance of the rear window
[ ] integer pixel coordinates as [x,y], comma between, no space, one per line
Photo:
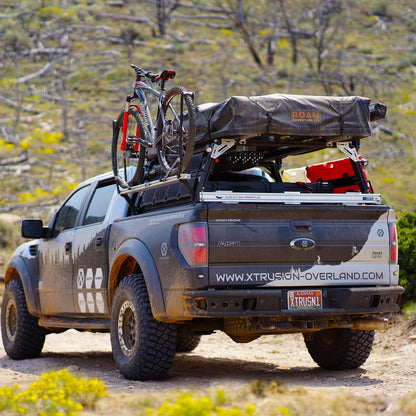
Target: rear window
[99,204]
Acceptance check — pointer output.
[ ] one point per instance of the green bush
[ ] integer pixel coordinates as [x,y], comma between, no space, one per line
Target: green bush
[406,232]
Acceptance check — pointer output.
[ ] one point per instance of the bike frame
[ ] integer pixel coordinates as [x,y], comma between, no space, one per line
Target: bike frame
[140,90]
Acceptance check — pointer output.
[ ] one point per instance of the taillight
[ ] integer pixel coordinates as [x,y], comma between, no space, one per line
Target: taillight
[193,243]
[393,243]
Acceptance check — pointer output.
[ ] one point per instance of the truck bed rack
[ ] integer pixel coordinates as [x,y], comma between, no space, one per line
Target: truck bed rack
[207,180]
[352,198]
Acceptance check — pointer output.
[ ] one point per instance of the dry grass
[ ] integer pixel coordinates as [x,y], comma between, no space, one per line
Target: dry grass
[406,406]
[272,399]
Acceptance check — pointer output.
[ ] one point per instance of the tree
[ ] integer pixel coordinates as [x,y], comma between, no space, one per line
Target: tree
[325,45]
[164,10]
[238,15]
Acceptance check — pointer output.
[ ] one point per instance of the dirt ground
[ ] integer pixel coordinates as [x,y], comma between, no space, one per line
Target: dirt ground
[218,362]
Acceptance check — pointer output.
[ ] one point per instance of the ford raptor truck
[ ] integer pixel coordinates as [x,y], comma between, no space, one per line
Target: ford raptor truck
[237,244]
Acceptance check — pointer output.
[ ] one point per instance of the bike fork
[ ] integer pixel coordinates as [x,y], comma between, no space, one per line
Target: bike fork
[126,141]
[125,125]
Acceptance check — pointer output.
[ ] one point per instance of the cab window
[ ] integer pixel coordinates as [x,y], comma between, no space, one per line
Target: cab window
[99,204]
[67,216]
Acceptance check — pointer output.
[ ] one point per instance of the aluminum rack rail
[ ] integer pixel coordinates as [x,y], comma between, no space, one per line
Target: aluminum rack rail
[155,184]
[290,198]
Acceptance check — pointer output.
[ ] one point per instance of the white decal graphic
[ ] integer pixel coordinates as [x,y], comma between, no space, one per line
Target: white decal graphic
[99,302]
[88,300]
[90,303]
[89,278]
[322,275]
[80,278]
[164,249]
[159,218]
[81,303]
[98,277]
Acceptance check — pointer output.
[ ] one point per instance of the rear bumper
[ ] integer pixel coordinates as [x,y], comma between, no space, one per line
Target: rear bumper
[338,301]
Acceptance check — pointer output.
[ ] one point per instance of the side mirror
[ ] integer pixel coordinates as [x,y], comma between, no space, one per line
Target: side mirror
[33,229]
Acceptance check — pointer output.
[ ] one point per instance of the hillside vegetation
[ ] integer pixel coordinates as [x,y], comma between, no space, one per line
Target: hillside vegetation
[64,74]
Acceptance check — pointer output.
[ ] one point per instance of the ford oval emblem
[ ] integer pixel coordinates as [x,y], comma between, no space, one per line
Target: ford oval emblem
[302,243]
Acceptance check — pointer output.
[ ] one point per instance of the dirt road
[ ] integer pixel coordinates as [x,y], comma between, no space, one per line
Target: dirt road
[218,362]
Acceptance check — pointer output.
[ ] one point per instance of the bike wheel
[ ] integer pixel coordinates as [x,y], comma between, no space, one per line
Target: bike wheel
[174,150]
[128,164]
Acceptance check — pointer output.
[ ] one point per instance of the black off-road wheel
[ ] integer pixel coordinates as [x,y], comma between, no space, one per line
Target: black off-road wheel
[339,349]
[22,336]
[143,348]
[187,343]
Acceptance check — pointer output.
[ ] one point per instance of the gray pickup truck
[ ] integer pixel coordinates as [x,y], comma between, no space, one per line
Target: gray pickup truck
[235,245]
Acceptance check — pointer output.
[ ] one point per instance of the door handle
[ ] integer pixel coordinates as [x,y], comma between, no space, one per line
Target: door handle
[68,247]
[99,243]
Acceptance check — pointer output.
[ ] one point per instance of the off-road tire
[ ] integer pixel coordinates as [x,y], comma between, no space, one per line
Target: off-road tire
[169,149]
[143,348]
[128,158]
[339,349]
[22,336]
[187,343]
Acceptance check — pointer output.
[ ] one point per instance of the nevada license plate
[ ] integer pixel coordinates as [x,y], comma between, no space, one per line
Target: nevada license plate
[304,299]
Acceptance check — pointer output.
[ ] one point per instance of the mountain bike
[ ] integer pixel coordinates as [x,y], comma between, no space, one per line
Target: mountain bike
[136,136]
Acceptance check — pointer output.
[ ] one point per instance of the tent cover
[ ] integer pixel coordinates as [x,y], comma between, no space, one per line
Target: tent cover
[279,116]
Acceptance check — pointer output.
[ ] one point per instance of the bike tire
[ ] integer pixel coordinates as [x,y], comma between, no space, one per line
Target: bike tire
[169,147]
[124,161]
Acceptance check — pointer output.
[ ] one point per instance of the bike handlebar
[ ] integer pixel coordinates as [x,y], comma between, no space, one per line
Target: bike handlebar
[162,76]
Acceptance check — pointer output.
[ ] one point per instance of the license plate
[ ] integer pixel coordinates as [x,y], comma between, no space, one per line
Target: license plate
[304,299]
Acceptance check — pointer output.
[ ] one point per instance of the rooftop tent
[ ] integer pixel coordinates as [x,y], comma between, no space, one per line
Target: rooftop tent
[275,122]
[284,115]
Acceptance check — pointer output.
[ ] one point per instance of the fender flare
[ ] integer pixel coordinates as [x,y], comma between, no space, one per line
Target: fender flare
[17,268]
[137,249]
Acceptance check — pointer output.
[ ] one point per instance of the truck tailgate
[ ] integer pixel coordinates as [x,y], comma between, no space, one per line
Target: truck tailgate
[298,245]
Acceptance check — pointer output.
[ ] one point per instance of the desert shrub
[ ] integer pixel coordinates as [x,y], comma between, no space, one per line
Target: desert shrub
[187,405]
[406,232]
[57,393]
[9,235]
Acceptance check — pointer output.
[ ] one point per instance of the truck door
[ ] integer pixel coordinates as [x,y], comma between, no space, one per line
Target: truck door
[90,273]
[56,260]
